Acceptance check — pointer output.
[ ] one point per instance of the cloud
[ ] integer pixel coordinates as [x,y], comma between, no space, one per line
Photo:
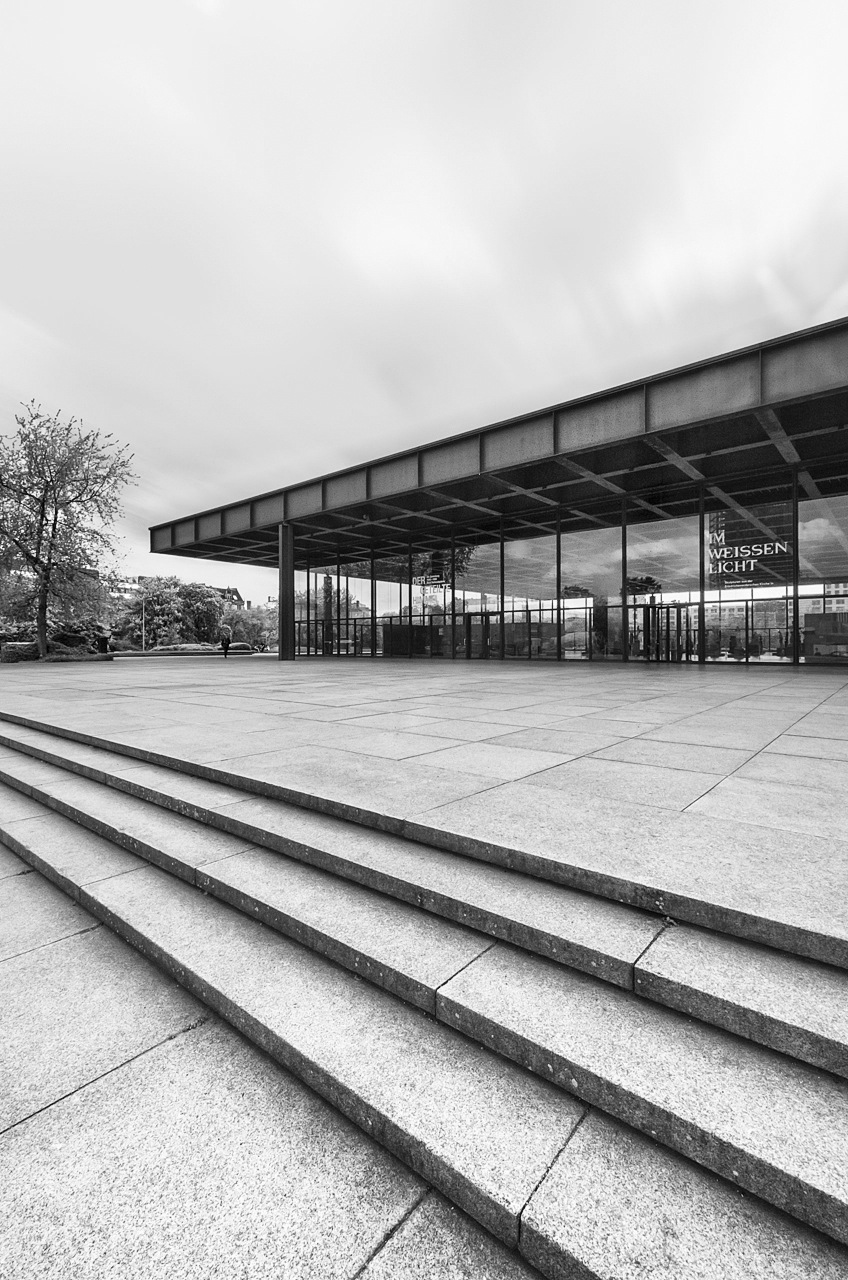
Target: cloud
[260,242]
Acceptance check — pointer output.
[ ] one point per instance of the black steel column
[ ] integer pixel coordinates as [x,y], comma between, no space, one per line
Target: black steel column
[502,645]
[796,570]
[453,597]
[347,618]
[409,598]
[338,603]
[625,616]
[285,594]
[308,598]
[559,587]
[373,610]
[702,580]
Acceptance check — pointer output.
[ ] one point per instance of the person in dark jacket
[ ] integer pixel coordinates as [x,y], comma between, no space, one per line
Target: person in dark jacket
[226,639]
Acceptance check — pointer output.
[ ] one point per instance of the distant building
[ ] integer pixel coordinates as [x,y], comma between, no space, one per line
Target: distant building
[128,587]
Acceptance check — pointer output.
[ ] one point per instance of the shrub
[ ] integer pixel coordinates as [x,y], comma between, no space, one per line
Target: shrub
[19,651]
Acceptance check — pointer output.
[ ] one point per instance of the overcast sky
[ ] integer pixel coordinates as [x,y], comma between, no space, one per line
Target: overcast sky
[265,239]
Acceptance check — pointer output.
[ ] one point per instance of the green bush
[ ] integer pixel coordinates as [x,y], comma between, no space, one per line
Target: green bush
[19,651]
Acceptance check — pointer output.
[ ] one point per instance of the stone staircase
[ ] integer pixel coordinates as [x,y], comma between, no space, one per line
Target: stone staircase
[611,1092]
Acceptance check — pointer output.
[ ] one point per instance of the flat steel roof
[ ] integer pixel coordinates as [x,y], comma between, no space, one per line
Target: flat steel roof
[733,427]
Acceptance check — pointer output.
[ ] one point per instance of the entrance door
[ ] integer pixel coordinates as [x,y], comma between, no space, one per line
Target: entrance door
[664,632]
[477,635]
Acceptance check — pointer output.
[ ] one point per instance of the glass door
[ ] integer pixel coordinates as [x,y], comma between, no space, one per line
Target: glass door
[664,632]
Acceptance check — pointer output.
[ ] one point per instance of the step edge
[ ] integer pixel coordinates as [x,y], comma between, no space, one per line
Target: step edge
[152,949]
[399,982]
[614,968]
[793,939]
[801,1200]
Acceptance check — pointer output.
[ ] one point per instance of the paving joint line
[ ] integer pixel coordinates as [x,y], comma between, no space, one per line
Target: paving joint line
[586,1109]
[425,1191]
[460,970]
[668,923]
[77,933]
[756,753]
[193,1026]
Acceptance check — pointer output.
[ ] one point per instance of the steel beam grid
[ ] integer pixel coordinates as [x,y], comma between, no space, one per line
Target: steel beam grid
[782,407]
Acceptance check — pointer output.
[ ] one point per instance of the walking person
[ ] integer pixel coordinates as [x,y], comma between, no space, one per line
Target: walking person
[226,639]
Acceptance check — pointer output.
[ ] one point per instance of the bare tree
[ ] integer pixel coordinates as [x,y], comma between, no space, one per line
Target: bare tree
[59,494]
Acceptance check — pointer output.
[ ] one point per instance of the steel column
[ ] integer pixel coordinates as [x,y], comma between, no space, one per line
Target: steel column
[702,580]
[559,587]
[338,603]
[453,597]
[373,610]
[796,570]
[285,594]
[308,597]
[502,644]
[409,598]
[625,617]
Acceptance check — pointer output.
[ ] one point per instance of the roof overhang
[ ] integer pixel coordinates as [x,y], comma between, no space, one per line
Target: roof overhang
[734,427]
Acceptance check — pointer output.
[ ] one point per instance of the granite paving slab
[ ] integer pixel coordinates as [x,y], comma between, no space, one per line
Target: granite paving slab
[327,715]
[626,783]
[574,928]
[477,1127]
[189,793]
[10,863]
[390,943]
[27,768]
[616,1206]
[351,782]
[804,809]
[169,839]
[464,730]
[66,853]
[796,1006]
[772,1125]
[815,748]
[798,771]
[33,914]
[437,1242]
[676,755]
[782,888]
[212,742]
[200,1158]
[822,725]
[572,739]
[494,760]
[14,804]
[78,1008]
[393,720]
[383,743]
[736,733]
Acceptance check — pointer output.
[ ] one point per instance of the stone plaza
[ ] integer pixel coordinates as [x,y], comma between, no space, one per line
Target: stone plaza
[496,969]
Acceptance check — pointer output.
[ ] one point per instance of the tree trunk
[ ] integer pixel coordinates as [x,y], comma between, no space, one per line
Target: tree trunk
[41,617]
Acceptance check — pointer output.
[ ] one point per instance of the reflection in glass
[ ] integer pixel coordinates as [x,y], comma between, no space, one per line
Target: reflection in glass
[823,575]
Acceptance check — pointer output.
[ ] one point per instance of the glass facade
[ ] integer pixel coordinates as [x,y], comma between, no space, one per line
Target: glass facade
[764,582]
[823,579]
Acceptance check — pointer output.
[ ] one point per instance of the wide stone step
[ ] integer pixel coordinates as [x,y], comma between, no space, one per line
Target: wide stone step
[575,928]
[576,1192]
[796,1006]
[775,1126]
[750,886]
